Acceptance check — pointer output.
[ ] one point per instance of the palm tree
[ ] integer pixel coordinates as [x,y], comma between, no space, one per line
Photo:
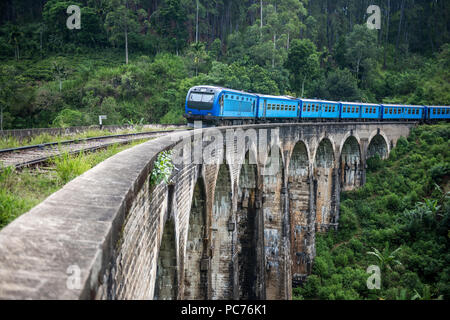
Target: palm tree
[59,72]
[426,294]
[386,258]
[198,54]
[14,38]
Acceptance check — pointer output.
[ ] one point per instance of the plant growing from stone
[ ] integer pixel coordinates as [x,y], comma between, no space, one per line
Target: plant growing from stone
[162,169]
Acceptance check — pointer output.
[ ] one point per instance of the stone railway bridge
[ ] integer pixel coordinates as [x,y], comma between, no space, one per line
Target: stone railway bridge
[219,231]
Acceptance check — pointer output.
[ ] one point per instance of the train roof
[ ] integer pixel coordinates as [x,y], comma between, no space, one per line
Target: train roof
[275,97]
[439,107]
[401,105]
[318,100]
[222,89]
[359,103]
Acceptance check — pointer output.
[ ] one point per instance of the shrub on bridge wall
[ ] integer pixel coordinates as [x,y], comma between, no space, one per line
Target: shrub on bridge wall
[162,169]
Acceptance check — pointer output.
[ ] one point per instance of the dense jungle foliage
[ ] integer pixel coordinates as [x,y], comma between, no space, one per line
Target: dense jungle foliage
[399,221]
[53,76]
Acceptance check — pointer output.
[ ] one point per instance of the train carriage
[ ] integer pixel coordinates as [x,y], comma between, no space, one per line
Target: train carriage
[402,112]
[278,107]
[438,113]
[370,111]
[350,110]
[319,109]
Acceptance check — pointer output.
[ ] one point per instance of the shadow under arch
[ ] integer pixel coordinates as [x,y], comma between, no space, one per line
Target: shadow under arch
[350,164]
[195,279]
[301,219]
[324,185]
[273,221]
[378,145]
[221,236]
[247,229]
[166,283]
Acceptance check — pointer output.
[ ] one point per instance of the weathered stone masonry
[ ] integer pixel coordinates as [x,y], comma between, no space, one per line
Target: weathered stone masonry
[219,231]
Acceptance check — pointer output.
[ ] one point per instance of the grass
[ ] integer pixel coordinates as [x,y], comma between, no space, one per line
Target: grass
[22,190]
[11,142]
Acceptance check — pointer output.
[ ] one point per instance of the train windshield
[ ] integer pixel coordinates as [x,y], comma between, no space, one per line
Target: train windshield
[202,97]
[200,100]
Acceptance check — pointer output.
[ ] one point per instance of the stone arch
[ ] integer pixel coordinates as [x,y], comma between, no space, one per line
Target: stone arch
[378,145]
[383,136]
[301,219]
[350,164]
[324,184]
[324,156]
[324,140]
[247,234]
[195,280]
[222,236]
[273,216]
[166,283]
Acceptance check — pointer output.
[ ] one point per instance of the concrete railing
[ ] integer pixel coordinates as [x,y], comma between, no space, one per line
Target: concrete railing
[62,248]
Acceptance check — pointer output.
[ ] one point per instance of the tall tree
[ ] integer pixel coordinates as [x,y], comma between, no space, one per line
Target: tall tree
[121,21]
[303,63]
[361,46]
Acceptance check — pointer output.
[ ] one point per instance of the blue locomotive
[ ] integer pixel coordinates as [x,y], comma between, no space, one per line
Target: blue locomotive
[222,106]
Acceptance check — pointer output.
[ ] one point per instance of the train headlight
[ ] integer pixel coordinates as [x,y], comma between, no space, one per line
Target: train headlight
[190,112]
[209,114]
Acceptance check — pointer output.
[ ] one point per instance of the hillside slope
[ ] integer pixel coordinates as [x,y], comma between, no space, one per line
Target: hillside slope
[405,204]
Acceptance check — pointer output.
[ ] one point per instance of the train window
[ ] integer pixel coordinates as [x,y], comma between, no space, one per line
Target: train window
[434,111]
[367,110]
[390,110]
[334,108]
[357,109]
[409,111]
[304,108]
[226,96]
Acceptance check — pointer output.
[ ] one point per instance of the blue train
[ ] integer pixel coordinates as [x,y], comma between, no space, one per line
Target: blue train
[222,106]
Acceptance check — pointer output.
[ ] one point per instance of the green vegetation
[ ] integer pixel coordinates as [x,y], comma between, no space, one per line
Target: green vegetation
[400,221]
[162,168]
[135,59]
[22,190]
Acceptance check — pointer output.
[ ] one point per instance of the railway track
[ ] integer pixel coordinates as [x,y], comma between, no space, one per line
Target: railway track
[27,156]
